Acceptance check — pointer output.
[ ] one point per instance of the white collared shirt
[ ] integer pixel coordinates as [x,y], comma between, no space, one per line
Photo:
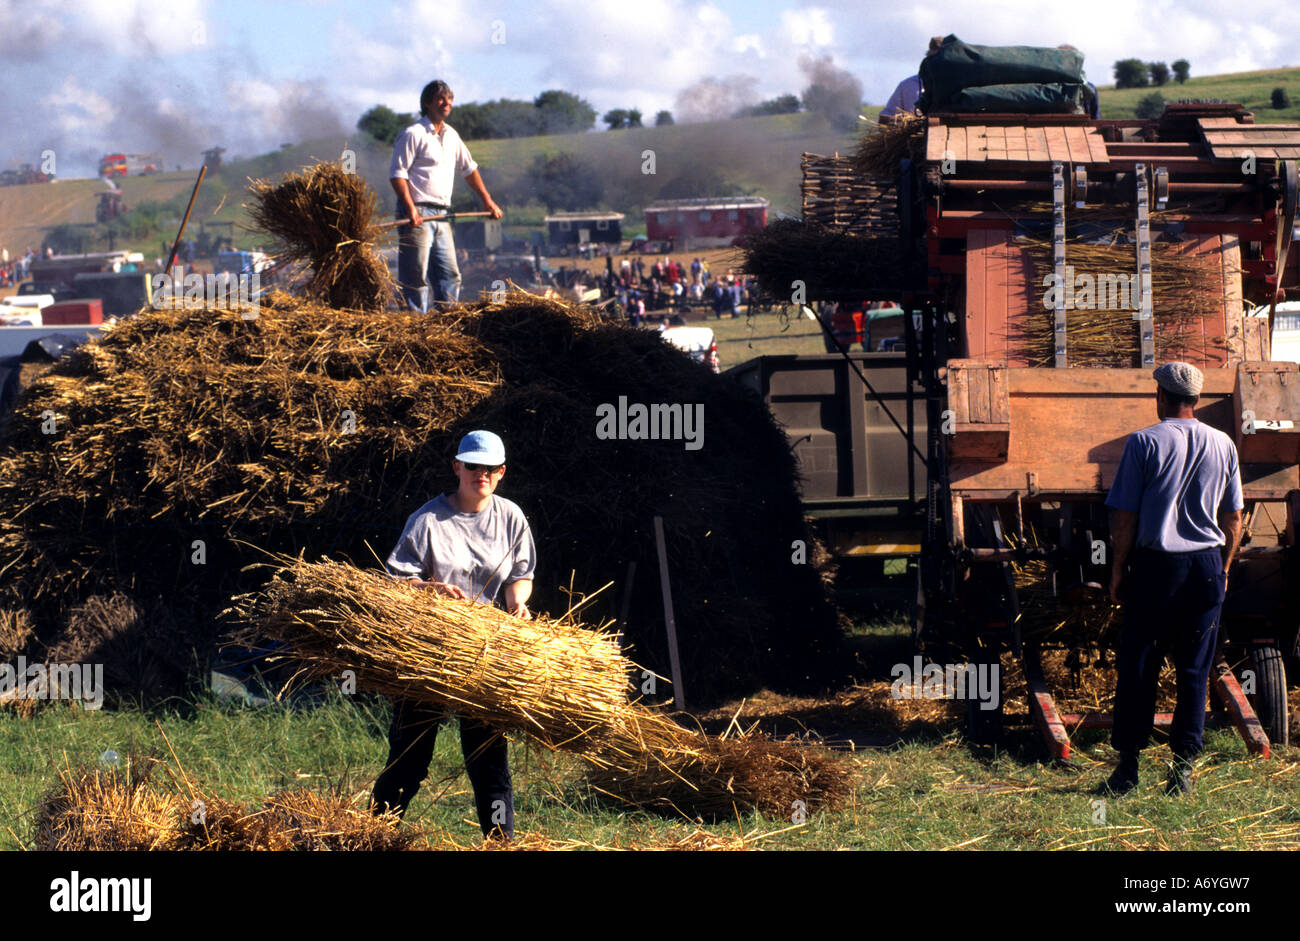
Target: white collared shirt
[428,161]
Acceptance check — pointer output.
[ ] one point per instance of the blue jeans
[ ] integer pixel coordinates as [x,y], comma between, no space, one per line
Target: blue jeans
[426,258]
[1171,604]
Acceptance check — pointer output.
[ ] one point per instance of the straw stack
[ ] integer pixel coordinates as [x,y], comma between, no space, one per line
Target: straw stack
[565,685]
[105,809]
[185,436]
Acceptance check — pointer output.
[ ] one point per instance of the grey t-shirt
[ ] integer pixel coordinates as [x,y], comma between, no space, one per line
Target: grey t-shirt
[476,552]
[1177,476]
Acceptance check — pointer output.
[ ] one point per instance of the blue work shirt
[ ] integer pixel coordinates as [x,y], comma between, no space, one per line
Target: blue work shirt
[1177,476]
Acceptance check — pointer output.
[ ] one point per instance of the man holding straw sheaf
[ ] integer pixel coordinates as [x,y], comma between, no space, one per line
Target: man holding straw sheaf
[467,544]
[426,156]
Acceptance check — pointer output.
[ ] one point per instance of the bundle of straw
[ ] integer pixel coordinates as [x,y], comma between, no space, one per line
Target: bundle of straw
[832,263]
[324,217]
[563,684]
[882,147]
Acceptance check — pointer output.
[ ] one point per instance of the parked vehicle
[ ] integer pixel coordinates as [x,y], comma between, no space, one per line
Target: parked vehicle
[699,342]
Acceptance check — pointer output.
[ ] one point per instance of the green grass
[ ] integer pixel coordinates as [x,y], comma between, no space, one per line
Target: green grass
[1250,89]
[921,793]
[765,334]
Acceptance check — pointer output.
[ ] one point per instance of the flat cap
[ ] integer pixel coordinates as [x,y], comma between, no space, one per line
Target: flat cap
[1180,378]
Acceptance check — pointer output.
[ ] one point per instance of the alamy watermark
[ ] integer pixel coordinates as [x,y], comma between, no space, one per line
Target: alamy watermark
[83,682]
[222,291]
[1092,292]
[660,421]
[919,680]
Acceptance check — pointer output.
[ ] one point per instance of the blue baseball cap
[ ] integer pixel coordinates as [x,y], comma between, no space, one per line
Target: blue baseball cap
[481,447]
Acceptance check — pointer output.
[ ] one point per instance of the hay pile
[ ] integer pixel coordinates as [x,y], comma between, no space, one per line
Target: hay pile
[324,218]
[186,437]
[1111,337]
[833,263]
[882,147]
[103,809]
[563,684]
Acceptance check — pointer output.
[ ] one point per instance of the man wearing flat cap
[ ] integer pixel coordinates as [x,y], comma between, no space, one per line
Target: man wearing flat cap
[1175,525]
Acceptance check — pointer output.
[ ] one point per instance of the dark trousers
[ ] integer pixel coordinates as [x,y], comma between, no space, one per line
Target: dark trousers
[1171,605]
[410,750]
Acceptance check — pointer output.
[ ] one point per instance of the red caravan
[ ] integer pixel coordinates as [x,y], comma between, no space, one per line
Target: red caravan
[702,223]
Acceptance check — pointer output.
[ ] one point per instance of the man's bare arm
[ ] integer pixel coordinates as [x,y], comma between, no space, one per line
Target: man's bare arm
[1230,523]
[1123,533]
[517,595]
[403,192]
[475,183]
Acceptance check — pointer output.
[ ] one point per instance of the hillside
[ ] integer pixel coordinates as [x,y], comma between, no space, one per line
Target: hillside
[758,155]
[1250,89]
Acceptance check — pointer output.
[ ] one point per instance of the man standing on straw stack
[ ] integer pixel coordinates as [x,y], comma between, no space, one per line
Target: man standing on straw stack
[426,156]
[1176,523]
[471,544]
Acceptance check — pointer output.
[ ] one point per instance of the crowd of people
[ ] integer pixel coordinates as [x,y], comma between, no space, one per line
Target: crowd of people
[13,270]
[667,286]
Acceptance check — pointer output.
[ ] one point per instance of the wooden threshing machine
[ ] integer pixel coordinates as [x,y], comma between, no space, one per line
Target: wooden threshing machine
[1051,261]
[1067,257]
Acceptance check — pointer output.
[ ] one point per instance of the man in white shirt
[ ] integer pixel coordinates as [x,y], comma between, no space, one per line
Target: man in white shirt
[426,156]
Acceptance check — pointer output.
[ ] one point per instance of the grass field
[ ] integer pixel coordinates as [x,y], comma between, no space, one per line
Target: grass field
[1250,89]
[918,786]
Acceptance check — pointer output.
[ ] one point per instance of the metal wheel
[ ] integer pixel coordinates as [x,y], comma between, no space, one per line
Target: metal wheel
[1270,691]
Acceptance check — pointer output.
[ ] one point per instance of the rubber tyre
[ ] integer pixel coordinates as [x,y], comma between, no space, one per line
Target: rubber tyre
[1270,692]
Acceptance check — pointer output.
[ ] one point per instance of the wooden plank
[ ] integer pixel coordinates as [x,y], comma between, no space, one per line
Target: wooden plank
[959,394]
[977,242]
[976,143]
[1078,143]
[1057,149]
[997,142]
[1017,144]
[978,386]
[1037,144]
[670,622]
[1232,299]
[997,296]
[957,143]
[999,399]
[1096,146]
[936,139]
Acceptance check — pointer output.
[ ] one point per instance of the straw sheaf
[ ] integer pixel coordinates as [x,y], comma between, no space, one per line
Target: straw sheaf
[563,684]
[324,218]
[882,147]
[831,262]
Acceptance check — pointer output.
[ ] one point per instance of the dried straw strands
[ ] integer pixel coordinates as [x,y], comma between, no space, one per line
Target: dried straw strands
[832,263]
[109,809]
[1182,296]
[324,217]
[883,146]
[565,685]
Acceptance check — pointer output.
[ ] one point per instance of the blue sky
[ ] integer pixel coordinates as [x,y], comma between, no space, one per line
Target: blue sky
[83,78]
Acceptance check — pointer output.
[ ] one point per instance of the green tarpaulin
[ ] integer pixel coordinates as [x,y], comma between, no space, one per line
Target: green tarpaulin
[958,66]
[1019,99]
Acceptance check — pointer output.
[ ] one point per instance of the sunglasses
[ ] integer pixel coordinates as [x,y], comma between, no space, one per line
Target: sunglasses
[490,468]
